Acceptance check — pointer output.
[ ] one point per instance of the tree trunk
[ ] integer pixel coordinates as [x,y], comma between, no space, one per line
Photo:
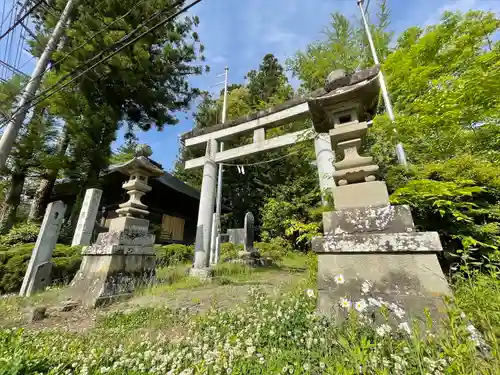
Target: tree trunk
[40,200]
[42,195]
[8,208]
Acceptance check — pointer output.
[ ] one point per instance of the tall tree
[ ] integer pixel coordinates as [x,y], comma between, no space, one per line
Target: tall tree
[268,81]
[140,87]
[124,153]
[344,46]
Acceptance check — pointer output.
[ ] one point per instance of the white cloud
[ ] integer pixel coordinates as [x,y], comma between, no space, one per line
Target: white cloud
[462,6]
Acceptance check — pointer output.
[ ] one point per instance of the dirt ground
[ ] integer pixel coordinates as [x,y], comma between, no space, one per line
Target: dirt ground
[16,312]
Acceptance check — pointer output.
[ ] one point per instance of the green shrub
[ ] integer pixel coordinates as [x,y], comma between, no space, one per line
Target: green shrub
[14,262]
[229,250]
[19,234]
[172,254]
[271,250]
[275,249]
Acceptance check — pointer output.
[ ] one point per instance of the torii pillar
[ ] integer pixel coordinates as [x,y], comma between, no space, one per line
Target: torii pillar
[205,213]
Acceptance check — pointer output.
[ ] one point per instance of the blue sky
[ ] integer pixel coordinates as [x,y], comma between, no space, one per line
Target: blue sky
[238,33]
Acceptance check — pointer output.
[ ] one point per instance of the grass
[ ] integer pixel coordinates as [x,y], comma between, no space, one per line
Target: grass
[262,336]
[296,262]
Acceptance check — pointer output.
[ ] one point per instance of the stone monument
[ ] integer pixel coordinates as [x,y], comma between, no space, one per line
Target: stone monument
[123,258]
[38,273]
[249,232]
[370,252]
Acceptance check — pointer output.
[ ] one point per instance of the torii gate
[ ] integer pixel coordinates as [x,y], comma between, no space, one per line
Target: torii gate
[348,101]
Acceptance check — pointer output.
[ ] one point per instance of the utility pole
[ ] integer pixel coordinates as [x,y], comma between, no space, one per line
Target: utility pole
[19,112]
[216,228]
[383,86]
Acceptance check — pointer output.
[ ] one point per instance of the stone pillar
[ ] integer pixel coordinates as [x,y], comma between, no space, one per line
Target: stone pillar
[205,212]
[37,275]
[123,258]
[87,218]
[259,135]
[324,161]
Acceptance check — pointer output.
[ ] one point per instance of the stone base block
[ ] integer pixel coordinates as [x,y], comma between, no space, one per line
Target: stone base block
[130,223]
[201,273]
[252,259]
[378,243]
[382,219]
[124,238]
[409,283]
[105,278]
[361,195]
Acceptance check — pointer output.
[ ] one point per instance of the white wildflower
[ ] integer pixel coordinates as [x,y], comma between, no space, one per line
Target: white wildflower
[345,303]
[339,279]
[374,302]
[397,310]
[310,293]
[366,287]
[360,306]
[321,365]
[405,327]
[306,366]
[383,329]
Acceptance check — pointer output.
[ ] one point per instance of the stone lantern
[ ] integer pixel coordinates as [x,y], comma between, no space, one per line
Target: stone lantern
[370,250]
[123,258]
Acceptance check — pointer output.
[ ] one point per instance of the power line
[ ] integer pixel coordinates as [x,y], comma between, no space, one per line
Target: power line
[47,92]
[262,162]
[6,49]
[8,14]
[92,37]
[87,41]
[12,68]
[20,43]
[21,19]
